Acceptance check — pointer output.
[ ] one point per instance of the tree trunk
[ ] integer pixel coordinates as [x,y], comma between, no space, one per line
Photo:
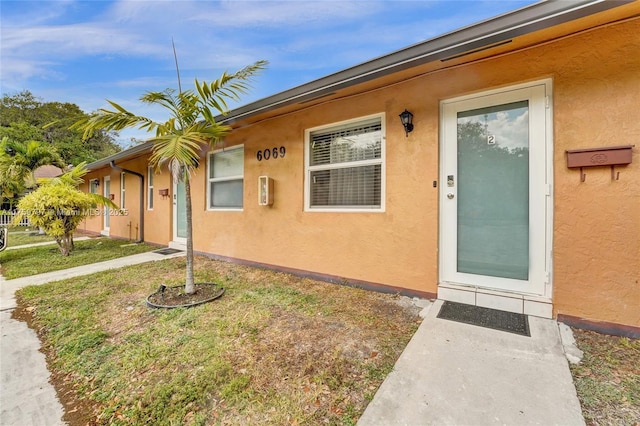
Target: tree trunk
[189,287]
[63,244]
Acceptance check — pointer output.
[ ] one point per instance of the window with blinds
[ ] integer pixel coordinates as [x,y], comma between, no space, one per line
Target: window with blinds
[226,179]
[345,166]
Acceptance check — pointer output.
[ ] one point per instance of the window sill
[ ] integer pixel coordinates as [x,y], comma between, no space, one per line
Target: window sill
[342,210]
[225,209]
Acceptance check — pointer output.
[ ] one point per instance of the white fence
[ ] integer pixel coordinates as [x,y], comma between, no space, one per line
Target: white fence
[6,219]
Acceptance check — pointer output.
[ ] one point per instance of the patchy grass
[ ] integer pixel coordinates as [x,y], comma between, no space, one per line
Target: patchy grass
[608,378]
[37,260]
[275,349]
[19,236]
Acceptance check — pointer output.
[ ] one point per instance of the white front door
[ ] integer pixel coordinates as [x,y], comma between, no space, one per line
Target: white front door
[107,212]
[179,214]
[495,181]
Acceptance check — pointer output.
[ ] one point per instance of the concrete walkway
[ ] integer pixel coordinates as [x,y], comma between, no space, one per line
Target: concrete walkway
[26,396]
[458,374]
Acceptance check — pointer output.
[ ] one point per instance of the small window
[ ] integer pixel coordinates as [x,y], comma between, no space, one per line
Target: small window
[345,166]
[150,188]
[93,186]
[122,191]
[226,179]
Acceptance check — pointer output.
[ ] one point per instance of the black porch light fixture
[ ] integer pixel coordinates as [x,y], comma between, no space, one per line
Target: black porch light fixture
[407,121]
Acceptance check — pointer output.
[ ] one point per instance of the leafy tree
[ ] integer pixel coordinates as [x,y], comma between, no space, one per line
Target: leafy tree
[25,118]
[18,162]
[58,206]
[191,126]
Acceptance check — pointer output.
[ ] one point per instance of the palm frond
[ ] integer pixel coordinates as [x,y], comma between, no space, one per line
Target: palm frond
[175,148]
[166,99]
[73,177]
[228,86]
[99,200]
[107,120]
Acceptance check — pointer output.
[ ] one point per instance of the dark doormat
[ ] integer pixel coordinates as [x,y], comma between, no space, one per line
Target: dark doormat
[167,251]
[485,317]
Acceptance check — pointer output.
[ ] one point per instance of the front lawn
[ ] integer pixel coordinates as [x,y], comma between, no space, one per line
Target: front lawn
[37,260]
[608,378]
[18,236]
[275,349]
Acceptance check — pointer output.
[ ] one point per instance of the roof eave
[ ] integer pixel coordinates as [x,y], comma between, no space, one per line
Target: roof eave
[122,155]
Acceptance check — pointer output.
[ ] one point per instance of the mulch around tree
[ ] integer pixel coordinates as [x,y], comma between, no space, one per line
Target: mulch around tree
[171,297]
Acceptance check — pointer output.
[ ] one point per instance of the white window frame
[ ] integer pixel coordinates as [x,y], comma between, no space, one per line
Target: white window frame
[381,161]
[226,178]
[150,198]
[122,191]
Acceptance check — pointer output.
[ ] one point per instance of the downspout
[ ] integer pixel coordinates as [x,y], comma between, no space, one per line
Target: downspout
[120,169]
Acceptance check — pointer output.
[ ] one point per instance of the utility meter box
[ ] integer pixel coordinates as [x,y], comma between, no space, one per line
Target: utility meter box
[265,191]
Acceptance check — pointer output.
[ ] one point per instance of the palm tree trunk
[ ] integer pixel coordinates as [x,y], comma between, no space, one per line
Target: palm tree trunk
[189,287]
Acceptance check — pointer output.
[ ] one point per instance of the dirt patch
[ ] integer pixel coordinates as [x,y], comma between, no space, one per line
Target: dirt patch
[171,297]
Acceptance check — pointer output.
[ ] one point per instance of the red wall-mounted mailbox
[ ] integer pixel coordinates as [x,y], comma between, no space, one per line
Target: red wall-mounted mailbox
[608,156]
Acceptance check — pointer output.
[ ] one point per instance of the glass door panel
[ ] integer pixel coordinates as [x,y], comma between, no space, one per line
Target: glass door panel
[180,211]
[493,191]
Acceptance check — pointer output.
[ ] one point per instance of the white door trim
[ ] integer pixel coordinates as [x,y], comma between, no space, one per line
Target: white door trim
[177,242]
[106,219]
[455,285]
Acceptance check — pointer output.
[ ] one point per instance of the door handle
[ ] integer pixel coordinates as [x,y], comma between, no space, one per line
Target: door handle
[450,196]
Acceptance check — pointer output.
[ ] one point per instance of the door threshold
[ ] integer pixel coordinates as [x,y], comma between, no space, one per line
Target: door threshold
[527,304]
[179,245]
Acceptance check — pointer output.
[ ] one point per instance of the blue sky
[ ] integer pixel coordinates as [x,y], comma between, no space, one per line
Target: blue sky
[84,52]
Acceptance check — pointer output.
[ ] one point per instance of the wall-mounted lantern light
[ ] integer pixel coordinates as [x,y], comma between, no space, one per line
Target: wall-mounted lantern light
[407,121]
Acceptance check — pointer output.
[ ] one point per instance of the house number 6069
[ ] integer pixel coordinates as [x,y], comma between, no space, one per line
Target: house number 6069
[275,152]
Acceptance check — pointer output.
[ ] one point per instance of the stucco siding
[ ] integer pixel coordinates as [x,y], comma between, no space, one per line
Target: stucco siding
[597,223]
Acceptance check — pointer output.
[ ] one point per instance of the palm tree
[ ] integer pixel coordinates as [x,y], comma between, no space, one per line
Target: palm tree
[18,162]
[178,140]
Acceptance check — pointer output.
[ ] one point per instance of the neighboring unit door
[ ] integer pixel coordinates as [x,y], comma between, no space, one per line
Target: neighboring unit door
[494,191]
[179,213]
[107,211]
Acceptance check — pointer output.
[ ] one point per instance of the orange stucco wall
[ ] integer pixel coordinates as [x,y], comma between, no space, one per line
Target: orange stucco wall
[597,223]
[596,232]
[126,225]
